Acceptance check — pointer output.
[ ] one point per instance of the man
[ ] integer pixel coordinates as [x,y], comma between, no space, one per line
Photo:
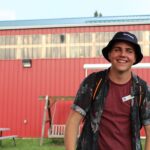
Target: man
[113,103]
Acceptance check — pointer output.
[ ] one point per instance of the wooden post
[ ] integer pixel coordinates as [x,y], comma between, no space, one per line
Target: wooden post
[46,108]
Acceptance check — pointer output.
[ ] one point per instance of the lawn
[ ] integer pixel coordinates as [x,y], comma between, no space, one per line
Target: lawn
[34,144]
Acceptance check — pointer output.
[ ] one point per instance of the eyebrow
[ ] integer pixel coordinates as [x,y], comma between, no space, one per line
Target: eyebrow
[131,48]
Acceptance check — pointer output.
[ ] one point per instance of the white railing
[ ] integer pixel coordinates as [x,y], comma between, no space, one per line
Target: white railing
[104,66]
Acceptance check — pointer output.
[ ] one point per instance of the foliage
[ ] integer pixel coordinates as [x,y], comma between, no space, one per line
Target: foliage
[96,14]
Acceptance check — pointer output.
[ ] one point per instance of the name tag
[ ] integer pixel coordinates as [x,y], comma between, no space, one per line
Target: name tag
[127,98]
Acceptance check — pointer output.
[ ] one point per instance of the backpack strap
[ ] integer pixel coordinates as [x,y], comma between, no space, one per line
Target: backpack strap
[96,89]
[99,79]
[140,97]
[142,90]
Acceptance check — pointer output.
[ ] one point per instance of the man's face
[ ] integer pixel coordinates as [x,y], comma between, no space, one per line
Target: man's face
[122,56]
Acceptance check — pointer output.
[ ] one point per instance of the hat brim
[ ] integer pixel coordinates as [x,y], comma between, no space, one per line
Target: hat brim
[108,48]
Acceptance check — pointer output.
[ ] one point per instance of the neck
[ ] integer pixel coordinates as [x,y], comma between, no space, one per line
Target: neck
[119,77]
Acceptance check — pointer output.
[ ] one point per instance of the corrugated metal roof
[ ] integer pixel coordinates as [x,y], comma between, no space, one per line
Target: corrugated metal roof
[64,22]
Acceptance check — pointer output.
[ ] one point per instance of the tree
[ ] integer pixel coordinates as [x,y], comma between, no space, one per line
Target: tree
[100,14]
[97,15]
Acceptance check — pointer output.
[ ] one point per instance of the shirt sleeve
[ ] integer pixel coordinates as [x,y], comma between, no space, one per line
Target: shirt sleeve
[84,95]
[145,108]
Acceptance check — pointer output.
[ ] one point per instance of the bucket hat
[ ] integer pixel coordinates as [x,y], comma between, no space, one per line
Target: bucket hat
[124,36]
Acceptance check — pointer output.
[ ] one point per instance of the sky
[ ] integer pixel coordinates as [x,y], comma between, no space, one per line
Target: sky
[50,9]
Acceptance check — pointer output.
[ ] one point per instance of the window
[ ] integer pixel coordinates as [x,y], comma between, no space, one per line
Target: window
[36,39]
[63,45]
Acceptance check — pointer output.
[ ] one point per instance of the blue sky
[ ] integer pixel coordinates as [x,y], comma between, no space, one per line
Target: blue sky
[47,9]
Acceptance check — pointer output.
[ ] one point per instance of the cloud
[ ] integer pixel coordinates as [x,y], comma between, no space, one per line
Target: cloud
[7,15]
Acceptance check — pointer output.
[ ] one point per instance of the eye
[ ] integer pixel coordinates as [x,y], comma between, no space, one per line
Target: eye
[129,50]
[115,49]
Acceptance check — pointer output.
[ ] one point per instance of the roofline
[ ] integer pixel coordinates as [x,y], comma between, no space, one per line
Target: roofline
[75,25]
[75,22]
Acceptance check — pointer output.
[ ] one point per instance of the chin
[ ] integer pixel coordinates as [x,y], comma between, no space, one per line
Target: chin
[122,69]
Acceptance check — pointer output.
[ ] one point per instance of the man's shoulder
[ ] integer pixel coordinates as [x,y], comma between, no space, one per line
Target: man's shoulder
[141,81]
[138,79]
[94,77]
[99,74]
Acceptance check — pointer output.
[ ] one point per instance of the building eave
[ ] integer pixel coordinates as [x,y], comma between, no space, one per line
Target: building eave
[75,22]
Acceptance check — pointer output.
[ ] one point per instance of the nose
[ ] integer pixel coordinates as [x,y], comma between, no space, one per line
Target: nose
[123,52]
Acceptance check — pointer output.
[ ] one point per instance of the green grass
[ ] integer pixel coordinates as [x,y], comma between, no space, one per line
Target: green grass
[143,143]
[34,144]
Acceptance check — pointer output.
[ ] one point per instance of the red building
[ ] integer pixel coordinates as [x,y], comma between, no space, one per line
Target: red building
[57,50]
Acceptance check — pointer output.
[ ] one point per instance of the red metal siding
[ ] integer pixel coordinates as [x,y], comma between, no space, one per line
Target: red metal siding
[56,30]
[20,88]
[60,111]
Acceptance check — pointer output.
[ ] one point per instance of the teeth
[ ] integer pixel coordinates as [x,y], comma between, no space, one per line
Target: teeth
[122,61]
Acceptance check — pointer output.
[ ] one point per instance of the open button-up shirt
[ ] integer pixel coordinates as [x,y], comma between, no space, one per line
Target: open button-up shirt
[92,109]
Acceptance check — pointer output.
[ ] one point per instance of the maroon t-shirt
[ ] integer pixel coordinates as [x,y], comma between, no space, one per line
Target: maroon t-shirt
[115,130]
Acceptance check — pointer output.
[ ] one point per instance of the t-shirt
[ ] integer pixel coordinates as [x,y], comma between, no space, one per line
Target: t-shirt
[115,128]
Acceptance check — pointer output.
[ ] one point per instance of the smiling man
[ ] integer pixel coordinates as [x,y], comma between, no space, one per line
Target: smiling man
[114,103]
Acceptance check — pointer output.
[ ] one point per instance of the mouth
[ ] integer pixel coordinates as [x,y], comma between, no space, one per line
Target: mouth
[122,61]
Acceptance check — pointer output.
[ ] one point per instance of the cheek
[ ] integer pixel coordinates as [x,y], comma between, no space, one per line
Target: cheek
[133,58]
[111,56]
